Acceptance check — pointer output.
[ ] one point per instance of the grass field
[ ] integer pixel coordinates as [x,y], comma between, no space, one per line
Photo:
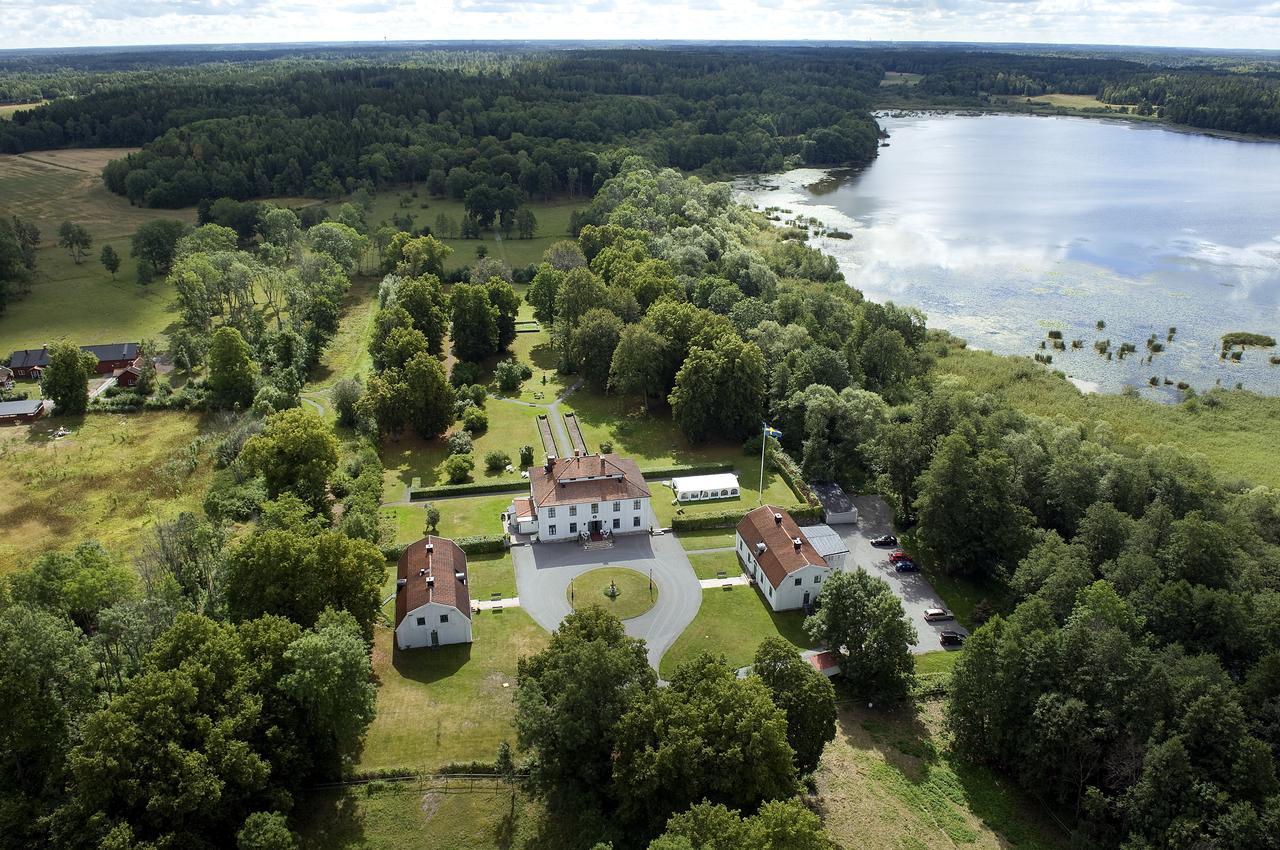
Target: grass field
[1238,432]
[732,623]
[110,480]
[7,110]
[888,781]
[458,517]
[73,302]
[413,462]
[707,538]
[553,225]
[448,704]
[634,592]
[901,78]
[711,564]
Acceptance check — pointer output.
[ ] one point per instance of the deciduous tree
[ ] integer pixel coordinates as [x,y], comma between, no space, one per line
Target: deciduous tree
[66,378]
[860,619]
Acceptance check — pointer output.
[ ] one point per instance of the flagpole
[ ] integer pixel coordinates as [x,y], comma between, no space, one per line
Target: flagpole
[764,436]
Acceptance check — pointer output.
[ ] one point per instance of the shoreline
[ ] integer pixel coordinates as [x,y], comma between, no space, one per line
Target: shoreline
[1131,120]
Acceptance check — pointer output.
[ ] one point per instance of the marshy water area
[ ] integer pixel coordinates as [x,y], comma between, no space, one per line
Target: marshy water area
[1003,228]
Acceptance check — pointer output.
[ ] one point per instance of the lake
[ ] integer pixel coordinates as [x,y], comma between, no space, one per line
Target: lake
[1003,228]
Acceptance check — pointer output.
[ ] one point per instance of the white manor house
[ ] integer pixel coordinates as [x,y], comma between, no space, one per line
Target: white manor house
[596,495]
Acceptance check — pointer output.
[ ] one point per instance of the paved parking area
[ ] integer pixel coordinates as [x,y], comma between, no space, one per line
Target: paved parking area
[544,570]
[874,519]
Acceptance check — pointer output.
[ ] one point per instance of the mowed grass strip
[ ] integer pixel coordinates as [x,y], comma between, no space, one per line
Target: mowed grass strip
[111,480]
[711,564]
[459,517]
[887,780]
[632,592]
[454,703]
[707,538]
[733,623]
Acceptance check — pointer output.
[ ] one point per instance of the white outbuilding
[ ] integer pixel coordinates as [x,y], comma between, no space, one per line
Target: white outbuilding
[433,603]
[701,488]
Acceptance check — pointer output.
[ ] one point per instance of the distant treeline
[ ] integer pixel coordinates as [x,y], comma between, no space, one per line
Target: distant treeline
[295,127]
[1198,96]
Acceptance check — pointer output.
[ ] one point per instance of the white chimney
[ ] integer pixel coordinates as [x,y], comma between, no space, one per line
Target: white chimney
[777,519]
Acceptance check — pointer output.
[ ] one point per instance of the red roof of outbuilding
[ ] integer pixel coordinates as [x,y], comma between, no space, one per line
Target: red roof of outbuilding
[781,555]
[443,562]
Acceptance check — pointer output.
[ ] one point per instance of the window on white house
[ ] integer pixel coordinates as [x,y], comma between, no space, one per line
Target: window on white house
[422,621]
[573,528]
[798,582]
[595,507]
[551,512]
[444,618]
[817,579]
[573,510]
[617,523]
[635,505]
[552,531]
[635,522]
[617,506]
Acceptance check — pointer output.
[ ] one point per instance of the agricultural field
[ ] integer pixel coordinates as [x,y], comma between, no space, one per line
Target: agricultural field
[7,110]
[450,704]
[79,303]
[900,78]
[110,480]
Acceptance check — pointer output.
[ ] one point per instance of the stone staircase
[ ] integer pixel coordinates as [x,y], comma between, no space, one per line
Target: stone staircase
[596,545]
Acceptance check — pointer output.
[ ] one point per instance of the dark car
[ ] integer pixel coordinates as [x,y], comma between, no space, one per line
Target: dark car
[906,567]
[884,540]
[949,638]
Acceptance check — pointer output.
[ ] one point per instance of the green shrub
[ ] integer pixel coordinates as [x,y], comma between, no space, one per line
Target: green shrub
[526,457]
[475,421]
[483,544]
[457,468]
[689,469]
[472,489]
[459,443]
[496,461]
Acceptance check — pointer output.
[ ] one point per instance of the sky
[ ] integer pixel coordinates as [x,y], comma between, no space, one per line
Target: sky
[1174,23]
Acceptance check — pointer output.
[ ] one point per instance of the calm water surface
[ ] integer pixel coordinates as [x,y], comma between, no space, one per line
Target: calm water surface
[1002,228]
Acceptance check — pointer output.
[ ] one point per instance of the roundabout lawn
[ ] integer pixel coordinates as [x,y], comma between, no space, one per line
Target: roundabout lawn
[633,595]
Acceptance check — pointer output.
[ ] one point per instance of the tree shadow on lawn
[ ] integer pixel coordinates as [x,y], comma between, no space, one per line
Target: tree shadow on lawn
[331,820]
[430,665]
[1019,818]
[898,734]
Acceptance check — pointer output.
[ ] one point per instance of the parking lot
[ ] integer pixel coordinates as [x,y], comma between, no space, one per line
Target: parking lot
[917,595]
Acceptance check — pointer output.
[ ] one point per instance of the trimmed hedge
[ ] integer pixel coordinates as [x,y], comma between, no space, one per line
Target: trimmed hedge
[790,471]
[482,544]
[802,514]
[688,469]
[467,489]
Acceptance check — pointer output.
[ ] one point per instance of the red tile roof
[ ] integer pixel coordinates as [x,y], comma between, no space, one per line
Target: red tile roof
[586,478]
[442,562]
[781,556]
[826,662]
[524,507]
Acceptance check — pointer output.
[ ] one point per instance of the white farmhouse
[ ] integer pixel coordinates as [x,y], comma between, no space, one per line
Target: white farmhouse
[586,494]
[776,553]
[433,604]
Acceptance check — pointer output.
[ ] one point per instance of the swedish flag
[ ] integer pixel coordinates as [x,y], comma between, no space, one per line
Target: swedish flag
[771,432]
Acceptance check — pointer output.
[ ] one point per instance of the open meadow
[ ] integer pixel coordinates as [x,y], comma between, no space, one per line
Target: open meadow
[110,480]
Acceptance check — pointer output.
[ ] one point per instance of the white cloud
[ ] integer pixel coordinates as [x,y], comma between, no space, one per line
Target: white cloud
[1215,23]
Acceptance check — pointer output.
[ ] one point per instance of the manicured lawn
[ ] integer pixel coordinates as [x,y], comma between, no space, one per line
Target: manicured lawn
[448,704]
[467,517]
[489,574]
[633,594]
[110,480]
[887,780]
[732,623]
[711,564]
[652,439]
[707,538]
[941,661]
[413,462]
[776,492]
[546,384]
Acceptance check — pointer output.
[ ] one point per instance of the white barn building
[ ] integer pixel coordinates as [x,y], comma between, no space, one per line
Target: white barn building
[587,494]
[698,488]
[433,604]
[778,555]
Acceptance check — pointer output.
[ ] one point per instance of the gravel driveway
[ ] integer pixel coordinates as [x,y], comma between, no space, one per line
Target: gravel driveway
[544,570]
[875,518]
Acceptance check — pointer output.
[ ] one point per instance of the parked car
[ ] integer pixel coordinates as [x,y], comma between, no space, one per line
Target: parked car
[898,555]
[933,615]
[884,540]
[951,639]
[906,567]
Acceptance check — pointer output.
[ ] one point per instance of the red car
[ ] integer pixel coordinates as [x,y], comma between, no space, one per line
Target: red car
[898,555]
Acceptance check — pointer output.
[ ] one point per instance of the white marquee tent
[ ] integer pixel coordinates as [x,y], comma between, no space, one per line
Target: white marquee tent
[697,488]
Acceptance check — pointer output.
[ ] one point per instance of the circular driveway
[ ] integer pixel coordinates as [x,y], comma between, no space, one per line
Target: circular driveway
[544,570]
